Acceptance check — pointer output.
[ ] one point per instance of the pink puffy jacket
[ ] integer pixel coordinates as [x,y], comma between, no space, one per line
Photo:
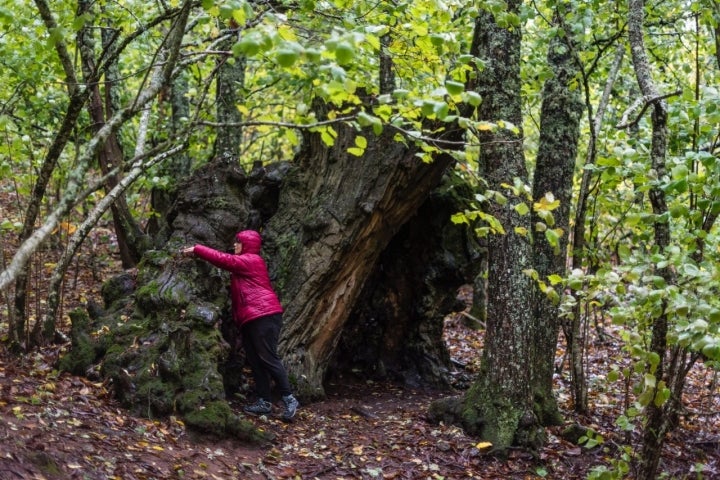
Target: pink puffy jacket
[251,292]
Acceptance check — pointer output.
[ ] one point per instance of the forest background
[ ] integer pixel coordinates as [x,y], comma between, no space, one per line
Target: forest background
[587,131]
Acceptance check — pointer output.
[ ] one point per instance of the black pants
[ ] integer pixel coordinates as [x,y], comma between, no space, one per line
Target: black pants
[260,339]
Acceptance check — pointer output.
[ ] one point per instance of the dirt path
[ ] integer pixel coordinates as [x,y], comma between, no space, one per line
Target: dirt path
[66,427]
[62,427]
[56,426]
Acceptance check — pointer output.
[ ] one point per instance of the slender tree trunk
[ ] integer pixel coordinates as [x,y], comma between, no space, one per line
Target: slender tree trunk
[126,228]
[387,78]
[230,82]
[499,405]
[555,167]
[78,97]
[657,420]
[716,15]
[573,327]
[176,168]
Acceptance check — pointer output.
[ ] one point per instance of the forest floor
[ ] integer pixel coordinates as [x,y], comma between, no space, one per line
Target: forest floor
[57,426]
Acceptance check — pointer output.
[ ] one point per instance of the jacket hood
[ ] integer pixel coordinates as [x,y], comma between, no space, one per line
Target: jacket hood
[251,241]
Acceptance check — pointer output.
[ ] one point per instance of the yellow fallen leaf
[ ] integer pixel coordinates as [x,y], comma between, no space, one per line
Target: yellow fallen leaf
[483,445]
[358,450]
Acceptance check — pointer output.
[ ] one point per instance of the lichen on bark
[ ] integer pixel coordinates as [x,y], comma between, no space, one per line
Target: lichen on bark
[157,340]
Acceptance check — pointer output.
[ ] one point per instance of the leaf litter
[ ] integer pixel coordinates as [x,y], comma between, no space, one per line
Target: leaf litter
[57,426]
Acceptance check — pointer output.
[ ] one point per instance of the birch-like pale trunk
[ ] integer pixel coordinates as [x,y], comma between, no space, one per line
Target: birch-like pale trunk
[574,330]
[73,192]
[658,422]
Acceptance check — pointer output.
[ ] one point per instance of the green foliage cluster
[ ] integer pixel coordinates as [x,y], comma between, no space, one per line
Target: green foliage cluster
[621,275]
[295,52]
[298,51]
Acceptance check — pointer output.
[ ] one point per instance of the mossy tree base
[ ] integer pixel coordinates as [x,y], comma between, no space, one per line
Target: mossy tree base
[492,417]
[158,340]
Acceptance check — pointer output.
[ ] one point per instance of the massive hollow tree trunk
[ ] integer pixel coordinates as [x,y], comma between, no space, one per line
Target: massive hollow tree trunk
[163,353]
[324,230]
[395,330]
[337,214]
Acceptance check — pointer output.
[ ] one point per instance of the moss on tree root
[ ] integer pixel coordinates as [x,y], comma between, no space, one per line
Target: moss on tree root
[157,341]
[491,417]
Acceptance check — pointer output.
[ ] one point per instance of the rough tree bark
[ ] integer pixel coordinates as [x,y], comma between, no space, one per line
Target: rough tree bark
[658,416]
[395,330]
[560,115]
[337,214]
[164,353]
[178,167]
[129,236]
[499,405]
[229,84]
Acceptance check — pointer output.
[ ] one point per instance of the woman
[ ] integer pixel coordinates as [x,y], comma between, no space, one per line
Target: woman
[257,311]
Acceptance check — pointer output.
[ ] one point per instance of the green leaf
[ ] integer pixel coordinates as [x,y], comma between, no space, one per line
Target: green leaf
[344,53]
[662,395]
[250,45]
[441,110]
[56,35]
[522,208]
[313,54]
[365,119]
[400,93]
[458,218]
[552,237]
[454,88]
[473,98]
[712,351]
[360,145]
[679,172]
[286,57]
[328,135]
